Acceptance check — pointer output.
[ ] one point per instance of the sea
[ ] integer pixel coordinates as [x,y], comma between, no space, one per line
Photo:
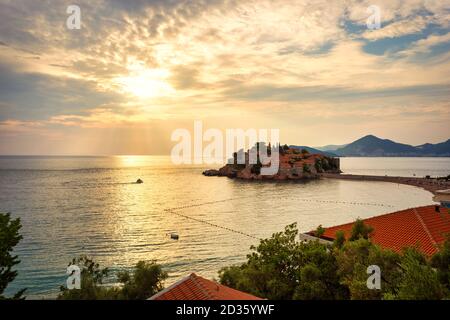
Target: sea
[71,206]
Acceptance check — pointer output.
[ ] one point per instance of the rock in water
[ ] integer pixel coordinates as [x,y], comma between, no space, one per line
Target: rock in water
[211,173]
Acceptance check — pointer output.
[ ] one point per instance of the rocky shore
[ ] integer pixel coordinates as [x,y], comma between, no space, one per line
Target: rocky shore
[294,164]
[297,164]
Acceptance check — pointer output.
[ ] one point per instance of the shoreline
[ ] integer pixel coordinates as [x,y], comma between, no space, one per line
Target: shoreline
[429,184]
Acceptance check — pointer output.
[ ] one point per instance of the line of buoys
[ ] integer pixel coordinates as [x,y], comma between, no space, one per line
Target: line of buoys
[305,200]
[347,202]
[174,209]
[212,224]
[204,203]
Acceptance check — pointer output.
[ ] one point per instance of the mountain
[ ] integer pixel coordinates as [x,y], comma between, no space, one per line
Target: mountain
[313,150]
[372,146]
[331,147]
[438,148]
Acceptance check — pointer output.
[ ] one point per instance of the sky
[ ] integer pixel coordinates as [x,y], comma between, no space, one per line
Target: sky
[138,70]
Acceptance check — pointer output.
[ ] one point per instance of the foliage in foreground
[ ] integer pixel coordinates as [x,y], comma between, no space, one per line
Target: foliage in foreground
[283,268]
[146,280]
[9,238]
[280,267]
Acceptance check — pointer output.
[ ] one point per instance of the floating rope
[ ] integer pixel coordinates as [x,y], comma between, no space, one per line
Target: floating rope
[204,203]
[346,202]
[212,224]
[175,209]
[304,200]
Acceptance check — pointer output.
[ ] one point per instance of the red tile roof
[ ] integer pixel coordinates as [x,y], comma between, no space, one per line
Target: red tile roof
[421,226]
[194,287]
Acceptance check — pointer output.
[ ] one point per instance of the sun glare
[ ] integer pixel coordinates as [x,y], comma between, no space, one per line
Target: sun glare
[146,83]
[131,161]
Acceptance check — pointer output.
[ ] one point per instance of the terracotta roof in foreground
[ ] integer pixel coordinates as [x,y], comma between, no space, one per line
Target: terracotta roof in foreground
[194,287]
[423,227]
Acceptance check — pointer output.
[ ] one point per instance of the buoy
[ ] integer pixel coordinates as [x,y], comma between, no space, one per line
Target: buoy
[139,181]
[173,236]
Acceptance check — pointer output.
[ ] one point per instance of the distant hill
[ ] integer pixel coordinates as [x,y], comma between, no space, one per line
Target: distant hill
[313,150]
[438,148]
[372,146]
[331,147]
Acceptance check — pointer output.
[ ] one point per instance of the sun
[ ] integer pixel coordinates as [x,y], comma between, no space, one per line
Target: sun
[146,83]
[131,161]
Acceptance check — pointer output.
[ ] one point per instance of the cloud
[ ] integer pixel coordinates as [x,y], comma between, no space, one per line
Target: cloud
[28,96]
[101,117]
[222,58]
[397,29]
[427,44]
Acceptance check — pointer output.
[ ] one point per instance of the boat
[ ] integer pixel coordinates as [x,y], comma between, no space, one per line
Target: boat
[173,235]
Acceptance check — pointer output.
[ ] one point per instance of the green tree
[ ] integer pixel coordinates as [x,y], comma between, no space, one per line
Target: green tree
[419,281]
[306,168]
[9,238]
[318,165]
[256,168]
[318,274]
[441,262]
[283,268]
[339,239]
[326,163]
[353,259]
[360,230]
[147,279]
[92,276]
[319,231]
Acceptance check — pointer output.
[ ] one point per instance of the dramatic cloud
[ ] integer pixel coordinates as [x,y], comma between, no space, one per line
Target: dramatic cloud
[138,66]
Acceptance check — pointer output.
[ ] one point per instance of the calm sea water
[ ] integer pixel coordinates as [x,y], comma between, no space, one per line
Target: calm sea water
[90,205]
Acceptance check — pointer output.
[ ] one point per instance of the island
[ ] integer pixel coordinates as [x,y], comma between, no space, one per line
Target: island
[294,164]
